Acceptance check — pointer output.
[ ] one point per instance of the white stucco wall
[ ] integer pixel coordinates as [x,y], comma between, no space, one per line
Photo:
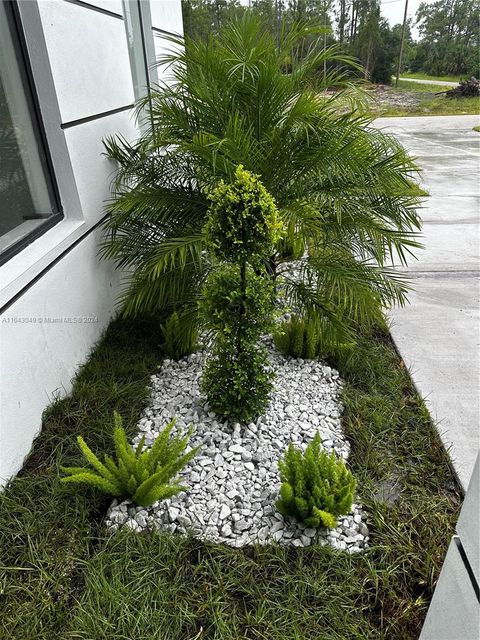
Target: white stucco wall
[45,336]
[56,295]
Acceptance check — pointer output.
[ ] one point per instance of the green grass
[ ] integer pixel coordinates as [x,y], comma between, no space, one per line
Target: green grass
[425,76]
[440,106]
[63,576]
[436,106]
[421,88]
[426,102]
[46,530]
[476,129]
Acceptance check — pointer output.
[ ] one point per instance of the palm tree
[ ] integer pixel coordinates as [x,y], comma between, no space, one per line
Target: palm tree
[345,190]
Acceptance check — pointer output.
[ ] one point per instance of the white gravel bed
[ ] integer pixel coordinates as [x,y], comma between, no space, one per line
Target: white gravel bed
[234,480]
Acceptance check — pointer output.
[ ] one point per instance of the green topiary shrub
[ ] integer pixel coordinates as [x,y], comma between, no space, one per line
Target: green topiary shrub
[238,298]
[145,476]
[242,223]
[236,378]
[179,337]
[316,486]
[231,308]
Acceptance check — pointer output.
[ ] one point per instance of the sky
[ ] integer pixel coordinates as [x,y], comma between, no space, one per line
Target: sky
[393,11]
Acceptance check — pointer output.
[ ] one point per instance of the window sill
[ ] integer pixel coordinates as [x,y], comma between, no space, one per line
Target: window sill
[19,271]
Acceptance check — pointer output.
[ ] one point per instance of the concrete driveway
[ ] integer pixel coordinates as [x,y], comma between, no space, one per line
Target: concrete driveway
[438,333]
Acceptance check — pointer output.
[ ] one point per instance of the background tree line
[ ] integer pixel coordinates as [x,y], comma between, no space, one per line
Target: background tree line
[449,31]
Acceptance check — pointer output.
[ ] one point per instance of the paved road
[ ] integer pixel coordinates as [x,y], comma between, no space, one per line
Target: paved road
[438,333]
[438,83]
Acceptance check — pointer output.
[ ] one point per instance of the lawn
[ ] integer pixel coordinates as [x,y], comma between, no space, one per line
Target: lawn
[440,106]
[425,76]
[413,99]
[64,576]
[405,85]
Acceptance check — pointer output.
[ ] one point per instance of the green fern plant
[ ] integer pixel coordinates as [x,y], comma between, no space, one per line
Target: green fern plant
[300,338]
[179,337]
[144,475]
[316,486]
[307,338]
[291,246]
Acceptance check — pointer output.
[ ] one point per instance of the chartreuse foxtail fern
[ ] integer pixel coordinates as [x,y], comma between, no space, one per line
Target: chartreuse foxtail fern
[299,338]
[180,336]
[303,337]
[144,475]
[316,486]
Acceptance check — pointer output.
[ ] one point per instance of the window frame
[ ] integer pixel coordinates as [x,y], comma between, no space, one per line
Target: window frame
[14,24]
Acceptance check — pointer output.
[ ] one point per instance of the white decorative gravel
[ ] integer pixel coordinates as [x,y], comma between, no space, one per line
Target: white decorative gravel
[234,478]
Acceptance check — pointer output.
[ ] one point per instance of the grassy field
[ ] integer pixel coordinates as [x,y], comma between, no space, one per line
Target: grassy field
[439,106]
[413,99]
[63,576]
[425,76]
[405,85]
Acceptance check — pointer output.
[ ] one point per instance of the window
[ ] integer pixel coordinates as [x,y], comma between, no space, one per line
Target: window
[28,201]
[138,27]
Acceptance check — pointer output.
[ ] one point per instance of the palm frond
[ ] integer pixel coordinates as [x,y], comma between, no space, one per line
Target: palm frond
[346,190]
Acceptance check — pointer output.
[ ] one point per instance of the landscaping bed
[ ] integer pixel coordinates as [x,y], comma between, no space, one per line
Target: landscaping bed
[233,482]
[264,200]
[64,575]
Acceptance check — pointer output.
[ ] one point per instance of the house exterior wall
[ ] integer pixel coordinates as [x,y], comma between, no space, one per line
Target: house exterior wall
[455,608]
[56,296]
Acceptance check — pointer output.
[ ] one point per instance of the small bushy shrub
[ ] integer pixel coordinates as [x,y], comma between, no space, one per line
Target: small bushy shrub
[238,384]
[234,310]
[316,486]
[179,337]
[144,475]
[238,298]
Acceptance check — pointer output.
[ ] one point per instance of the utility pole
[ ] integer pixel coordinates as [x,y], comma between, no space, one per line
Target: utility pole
[278,20]
[324,43]
[400,53]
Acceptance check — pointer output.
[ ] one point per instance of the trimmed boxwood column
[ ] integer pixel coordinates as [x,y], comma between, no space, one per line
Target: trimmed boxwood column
[241,230]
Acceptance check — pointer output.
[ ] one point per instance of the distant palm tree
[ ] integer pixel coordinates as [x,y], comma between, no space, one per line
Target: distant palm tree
[344,190]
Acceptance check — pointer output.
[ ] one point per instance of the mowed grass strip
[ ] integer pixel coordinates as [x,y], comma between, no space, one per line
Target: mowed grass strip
[421,88]
[65,577]
[46,529]
[425,76]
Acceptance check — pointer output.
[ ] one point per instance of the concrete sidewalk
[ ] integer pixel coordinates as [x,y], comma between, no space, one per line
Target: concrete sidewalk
[438,333]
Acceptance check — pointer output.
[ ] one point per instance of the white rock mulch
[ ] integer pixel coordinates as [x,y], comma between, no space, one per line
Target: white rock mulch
[234,478]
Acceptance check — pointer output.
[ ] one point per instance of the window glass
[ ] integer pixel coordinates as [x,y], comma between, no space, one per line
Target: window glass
[27,201]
